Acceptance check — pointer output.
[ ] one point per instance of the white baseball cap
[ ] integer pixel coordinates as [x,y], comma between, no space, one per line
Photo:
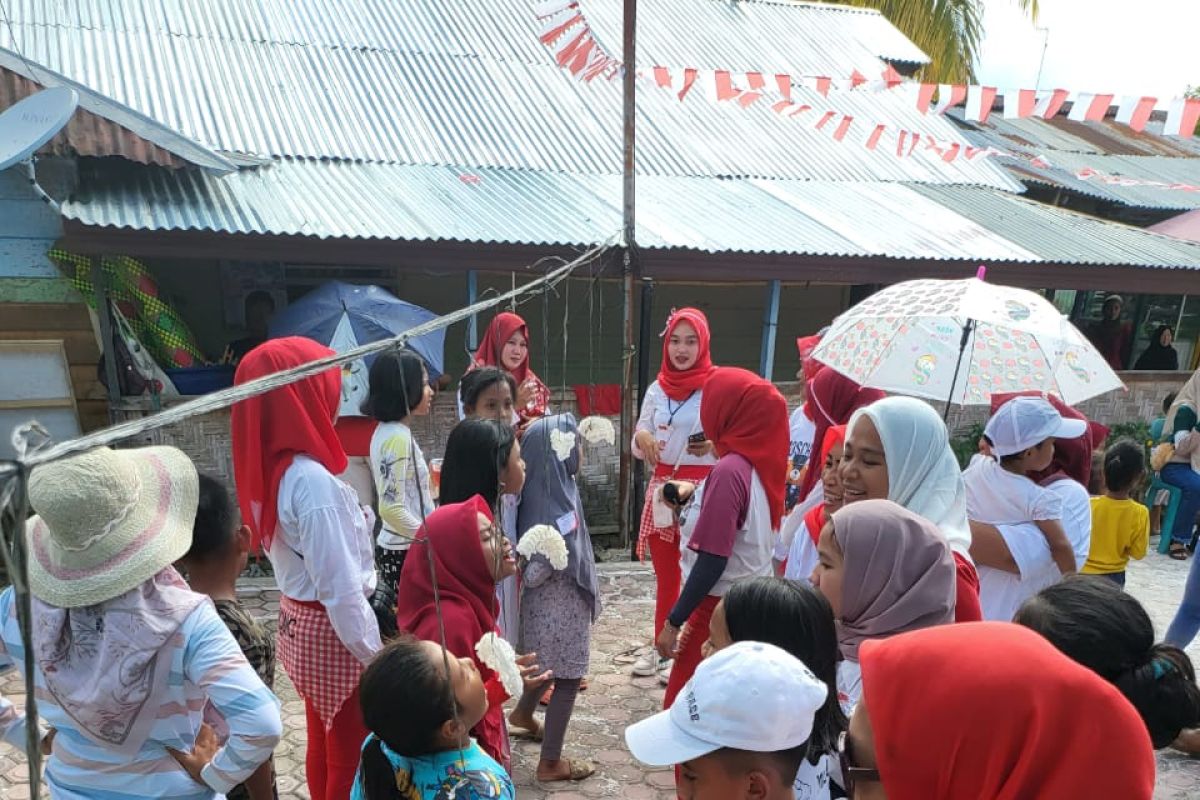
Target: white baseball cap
[750,696]
[1024,422]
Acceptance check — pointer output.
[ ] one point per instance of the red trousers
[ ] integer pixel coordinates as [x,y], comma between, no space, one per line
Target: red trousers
[691,640]
[668,577]
[332,756]
[966,605]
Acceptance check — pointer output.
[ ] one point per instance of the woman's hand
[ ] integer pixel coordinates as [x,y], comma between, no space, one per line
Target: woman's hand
[668,640]
[649,446]
[202,753]
[525,393]
[529,672]
[700,449]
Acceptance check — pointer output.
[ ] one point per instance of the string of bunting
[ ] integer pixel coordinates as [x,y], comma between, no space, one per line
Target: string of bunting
[565,30]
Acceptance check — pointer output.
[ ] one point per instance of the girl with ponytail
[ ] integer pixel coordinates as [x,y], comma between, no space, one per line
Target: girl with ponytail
[1106,630]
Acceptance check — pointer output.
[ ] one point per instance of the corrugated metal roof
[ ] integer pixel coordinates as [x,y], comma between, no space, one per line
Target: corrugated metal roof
[1065,167]
[1062,236]
[429,203]
[1106,137]
[441,82]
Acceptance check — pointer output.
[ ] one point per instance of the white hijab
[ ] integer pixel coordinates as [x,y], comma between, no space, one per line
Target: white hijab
[923,474]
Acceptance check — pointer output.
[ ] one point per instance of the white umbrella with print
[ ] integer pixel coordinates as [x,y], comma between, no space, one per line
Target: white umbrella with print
[962,341]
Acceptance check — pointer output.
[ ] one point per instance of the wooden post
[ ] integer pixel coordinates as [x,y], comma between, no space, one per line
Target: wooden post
[766,361]
[643,383]
[629,269]
[100,292]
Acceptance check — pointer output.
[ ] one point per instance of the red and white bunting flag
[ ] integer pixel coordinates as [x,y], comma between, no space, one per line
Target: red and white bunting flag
[553,28]
[797,110]
[876,135]
[970,152]
[723,82]
[824,120]
[1182,116]
[1135,111]
[1050,103]
[747,98]
[578,54]
[1019,103]
[901,140]
[925,97]
[843,128]
[857,79]
[822,85]
[932,144]
[916,140]
[979,102]
[891,78]
[782,106]
[755,81]
[951,152]
[784,84]
[689,80]
[662,77]
[949,95]
[1090,107]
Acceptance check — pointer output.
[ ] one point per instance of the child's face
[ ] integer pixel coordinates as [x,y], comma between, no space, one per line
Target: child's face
[515,351]
[827,576]
[494,402]
[512,477]
[466,683]
[713,777]
[426,395]
[831,478]
[497,550]
[1040,456]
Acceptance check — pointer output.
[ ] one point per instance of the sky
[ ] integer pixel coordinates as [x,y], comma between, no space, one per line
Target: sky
[1145,47]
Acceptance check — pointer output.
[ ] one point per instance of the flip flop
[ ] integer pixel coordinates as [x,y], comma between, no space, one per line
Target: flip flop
[580,770]
[538,734]
[1178,552]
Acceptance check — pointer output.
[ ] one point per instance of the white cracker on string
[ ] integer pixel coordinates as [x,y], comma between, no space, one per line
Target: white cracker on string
[562,443]
[547,541]
[500,657]
[598,430]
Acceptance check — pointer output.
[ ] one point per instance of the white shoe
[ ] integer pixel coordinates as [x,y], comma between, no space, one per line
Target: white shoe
[664,672]
[648,664]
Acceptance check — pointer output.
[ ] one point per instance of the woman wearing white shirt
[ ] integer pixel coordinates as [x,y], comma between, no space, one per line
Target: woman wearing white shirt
[669,439]
[286,456]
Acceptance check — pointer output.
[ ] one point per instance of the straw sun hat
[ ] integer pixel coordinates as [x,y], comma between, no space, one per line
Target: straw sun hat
[108,520]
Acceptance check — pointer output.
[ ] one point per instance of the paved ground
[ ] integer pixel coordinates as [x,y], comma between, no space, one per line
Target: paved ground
[614,700]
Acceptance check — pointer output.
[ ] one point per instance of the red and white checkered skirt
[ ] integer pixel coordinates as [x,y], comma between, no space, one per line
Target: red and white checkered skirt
[693,474]
[323,671]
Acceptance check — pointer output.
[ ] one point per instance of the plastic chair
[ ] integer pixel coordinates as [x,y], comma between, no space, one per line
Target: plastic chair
[1156,430]
[1169,511]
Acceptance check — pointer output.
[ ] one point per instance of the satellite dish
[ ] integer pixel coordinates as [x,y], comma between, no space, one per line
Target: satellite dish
[30,123]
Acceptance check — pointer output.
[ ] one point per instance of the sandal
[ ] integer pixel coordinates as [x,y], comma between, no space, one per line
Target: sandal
[579,770]
[1178,551]
[537,734]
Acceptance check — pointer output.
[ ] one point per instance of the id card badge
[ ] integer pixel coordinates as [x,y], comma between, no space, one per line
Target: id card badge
[663,435]
[567,523]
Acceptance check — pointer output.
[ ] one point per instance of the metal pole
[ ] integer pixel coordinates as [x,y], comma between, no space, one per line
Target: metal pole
[629,166]
[766,360]
[962,348]
[473,322]
[1037,84]
[100,292]
[643,382]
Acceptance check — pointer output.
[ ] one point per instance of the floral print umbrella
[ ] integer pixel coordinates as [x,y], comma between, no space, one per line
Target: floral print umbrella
[962,341]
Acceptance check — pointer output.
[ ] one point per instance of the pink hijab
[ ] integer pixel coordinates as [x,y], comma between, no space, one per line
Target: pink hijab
[899,574]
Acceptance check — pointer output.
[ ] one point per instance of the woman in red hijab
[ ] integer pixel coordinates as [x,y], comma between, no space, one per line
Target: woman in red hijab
[285,456]
[469,556]
[731,520]
[670,440]
[505,346]
[1015,719]
[832,399]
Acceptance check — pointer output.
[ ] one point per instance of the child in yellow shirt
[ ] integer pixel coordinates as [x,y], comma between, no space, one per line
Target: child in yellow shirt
[1120,524]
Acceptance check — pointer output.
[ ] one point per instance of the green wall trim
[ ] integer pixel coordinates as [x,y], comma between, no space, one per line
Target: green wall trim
[38,290]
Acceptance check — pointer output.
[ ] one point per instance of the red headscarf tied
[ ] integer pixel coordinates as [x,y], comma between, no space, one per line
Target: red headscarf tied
[805,345]
[499,331]
[270,430]
[1072,457]
[1014,720]
[680,384]
[833,398]
[744,414]
[815,519]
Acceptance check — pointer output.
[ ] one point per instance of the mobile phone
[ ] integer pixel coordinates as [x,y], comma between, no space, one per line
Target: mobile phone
[696,438]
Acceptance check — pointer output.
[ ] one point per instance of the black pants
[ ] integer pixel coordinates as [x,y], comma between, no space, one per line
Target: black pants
[388,564]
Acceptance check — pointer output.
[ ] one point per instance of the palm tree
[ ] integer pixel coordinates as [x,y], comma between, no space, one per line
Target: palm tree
[949,31]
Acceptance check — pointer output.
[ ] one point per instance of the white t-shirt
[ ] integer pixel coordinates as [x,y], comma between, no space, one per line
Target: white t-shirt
[999,497]
[800,451]
[802,557]
[849,685]
[401,484]
[1002,593]
[752,545]
[812,781]
[322,552]
[671,422]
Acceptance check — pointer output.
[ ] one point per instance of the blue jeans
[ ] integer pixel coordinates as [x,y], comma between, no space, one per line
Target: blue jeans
[1187,619]
[1188,481]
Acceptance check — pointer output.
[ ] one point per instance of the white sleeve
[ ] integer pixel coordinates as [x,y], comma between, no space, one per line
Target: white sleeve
[1028,545]
[327,532]
[1045,505]
[646,418]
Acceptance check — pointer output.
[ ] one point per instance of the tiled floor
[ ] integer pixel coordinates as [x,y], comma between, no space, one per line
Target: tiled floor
[614,700]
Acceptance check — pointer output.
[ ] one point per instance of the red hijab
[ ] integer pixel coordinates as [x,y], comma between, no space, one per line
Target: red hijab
[816,517]
[810,366]
[499,331]
[468,598]
[832,399]
[680,384]
[270,430]
[1015,719]
[1072,457]
[744,414]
